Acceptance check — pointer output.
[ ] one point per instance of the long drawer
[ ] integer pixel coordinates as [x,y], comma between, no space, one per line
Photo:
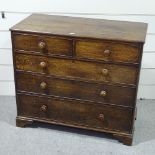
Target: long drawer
[111,94]
[75,113]
[83,70]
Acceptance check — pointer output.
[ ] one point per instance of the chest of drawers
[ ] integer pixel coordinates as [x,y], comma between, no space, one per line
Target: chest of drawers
[78,72]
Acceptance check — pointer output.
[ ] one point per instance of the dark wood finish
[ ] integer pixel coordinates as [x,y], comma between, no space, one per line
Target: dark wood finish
[83,27]
[127,140]
[78,72]
[75,112]
[108,51]
[20,122]
[76,89]
[78,69]
[43,44]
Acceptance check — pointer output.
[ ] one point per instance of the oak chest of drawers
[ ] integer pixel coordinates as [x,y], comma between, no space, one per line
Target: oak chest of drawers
[78,72]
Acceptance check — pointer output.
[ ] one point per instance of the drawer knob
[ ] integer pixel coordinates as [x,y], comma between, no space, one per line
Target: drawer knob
[103,93]
[101,117]
[105,71]
[43,108]
[107,52]
[43,85]
[43,65]
[41,45]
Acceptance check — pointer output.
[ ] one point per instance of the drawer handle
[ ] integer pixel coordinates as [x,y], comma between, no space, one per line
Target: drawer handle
[103,93]
[105,71]
[43,85]
[41,45]
[101,117]
[43,64]
[107,52]
[43,108]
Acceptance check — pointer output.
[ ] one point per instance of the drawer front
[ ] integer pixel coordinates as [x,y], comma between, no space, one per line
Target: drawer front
[107,51]
[98,72]
[75,113]
[43,44]
[76,89]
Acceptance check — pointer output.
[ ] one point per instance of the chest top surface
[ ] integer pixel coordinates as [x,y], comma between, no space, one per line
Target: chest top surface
[83,27]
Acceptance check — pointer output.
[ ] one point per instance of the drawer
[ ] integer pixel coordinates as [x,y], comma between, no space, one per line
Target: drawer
[44,44]
[76,113]
[107,51]
[109,94]
[83,70]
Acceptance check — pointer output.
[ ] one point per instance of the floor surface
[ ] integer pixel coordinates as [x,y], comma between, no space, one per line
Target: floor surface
[44,139]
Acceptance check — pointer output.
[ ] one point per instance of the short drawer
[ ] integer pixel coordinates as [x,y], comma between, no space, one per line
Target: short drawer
[83,70]
[75,113]
[110,94]
[44,44]
[108,51]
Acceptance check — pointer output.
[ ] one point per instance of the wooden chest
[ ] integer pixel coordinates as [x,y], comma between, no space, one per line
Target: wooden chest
[78,72]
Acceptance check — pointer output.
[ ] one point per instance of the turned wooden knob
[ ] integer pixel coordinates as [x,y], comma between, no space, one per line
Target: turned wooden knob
[43,108]
[41,45]
[101,117]
[43,64]
[105,71]
[103,93]
[43,85]
[107,52]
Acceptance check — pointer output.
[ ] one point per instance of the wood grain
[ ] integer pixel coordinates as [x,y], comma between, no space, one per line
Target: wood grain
[78,69]
[119,52]
[82,114]
[83,27]
[53,45]
[60,65]
[76,89]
